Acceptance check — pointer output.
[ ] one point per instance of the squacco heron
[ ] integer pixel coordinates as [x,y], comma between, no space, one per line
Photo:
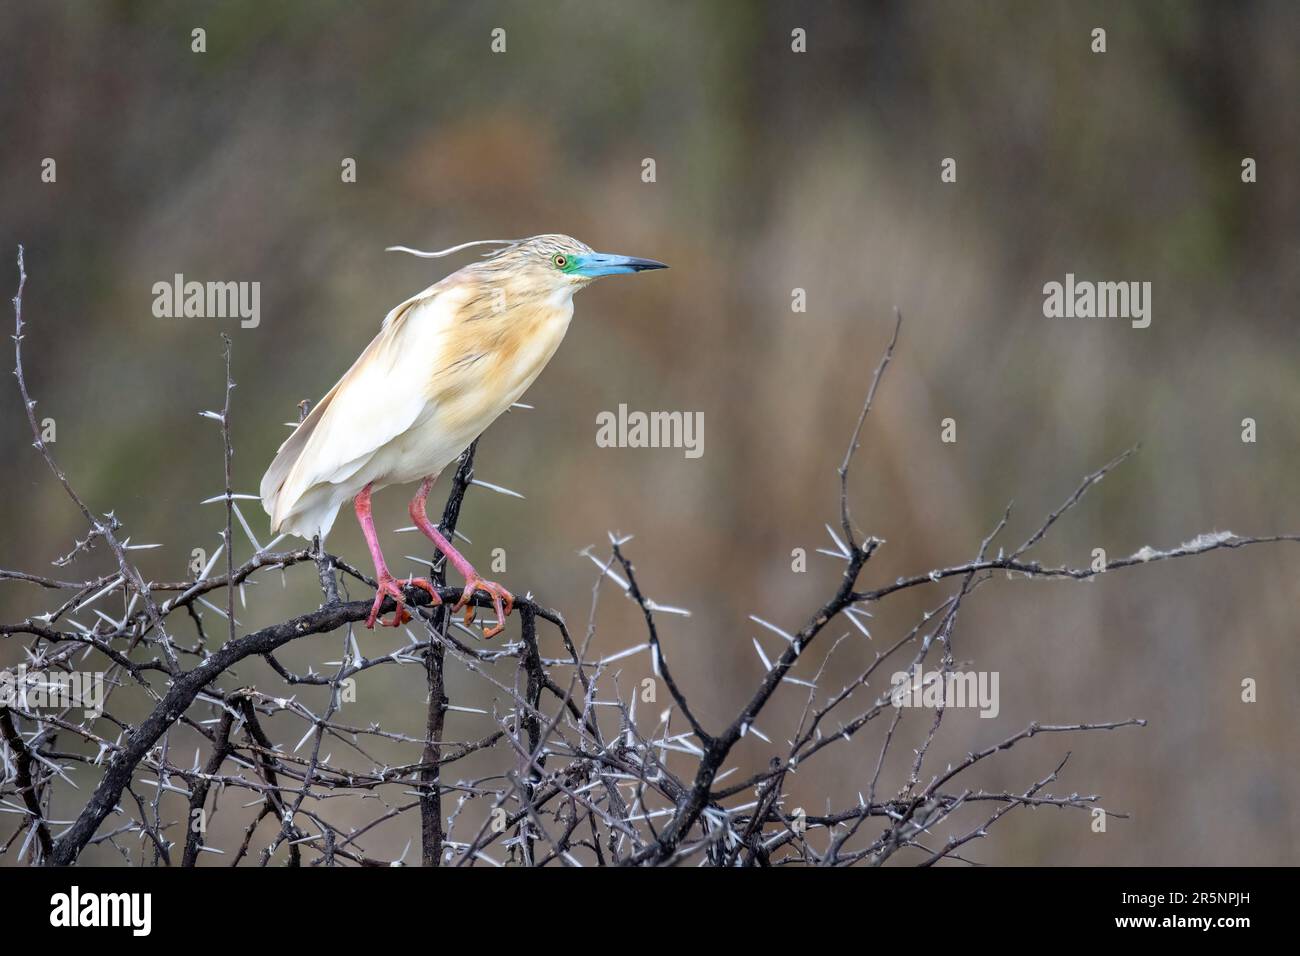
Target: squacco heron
[444,365]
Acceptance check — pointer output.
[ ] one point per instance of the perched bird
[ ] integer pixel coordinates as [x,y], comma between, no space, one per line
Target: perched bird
[444,365]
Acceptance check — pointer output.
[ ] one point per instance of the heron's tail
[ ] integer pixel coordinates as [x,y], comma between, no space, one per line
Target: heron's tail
[295,509]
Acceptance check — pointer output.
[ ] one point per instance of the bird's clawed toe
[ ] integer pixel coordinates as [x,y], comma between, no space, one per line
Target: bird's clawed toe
[388,588]
[391,587]
[503,603]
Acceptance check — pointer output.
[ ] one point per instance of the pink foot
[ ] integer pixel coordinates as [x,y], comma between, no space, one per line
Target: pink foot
[499,595]
[389,586]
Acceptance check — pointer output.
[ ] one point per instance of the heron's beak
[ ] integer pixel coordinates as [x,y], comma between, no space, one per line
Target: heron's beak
[599,264]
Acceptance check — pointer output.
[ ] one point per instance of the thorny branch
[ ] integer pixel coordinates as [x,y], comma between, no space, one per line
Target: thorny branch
[560,769]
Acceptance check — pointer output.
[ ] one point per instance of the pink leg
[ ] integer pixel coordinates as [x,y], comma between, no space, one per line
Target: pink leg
[388,585]
[502,600]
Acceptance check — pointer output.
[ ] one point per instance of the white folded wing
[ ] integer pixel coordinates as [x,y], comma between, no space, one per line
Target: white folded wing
[384,394]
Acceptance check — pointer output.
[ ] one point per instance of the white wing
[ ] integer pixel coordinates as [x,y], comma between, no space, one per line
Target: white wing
[381,396]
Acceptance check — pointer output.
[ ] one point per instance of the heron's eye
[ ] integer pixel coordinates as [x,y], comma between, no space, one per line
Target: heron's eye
[559,260]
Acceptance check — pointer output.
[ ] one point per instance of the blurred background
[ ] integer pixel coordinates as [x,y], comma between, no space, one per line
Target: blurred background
[775,170]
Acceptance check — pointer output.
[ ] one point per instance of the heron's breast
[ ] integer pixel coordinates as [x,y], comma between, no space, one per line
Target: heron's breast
[493,361]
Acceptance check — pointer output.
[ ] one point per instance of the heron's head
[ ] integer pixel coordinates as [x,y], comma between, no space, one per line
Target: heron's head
[563,262]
